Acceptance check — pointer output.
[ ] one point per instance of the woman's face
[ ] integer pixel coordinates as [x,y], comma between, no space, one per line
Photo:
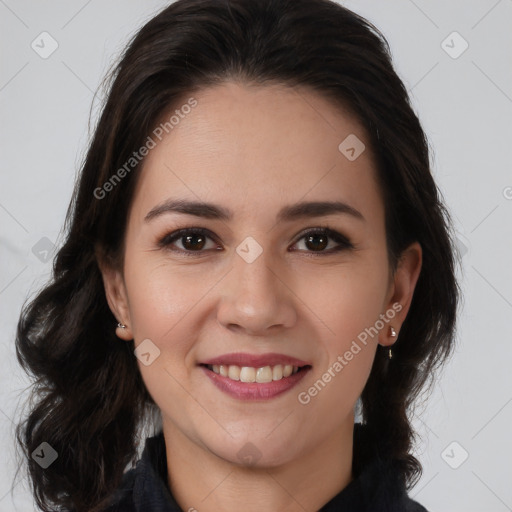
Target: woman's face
[257,281]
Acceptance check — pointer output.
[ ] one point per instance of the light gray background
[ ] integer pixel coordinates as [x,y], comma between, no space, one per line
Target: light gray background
[465,105]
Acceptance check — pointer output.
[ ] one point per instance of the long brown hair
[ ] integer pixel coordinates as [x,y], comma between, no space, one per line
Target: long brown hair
[88,398]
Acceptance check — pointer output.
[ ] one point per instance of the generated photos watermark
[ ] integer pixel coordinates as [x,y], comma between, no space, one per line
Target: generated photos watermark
[304,397]
[137,156]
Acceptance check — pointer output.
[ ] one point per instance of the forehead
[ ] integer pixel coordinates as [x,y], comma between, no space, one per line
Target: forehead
[249,146]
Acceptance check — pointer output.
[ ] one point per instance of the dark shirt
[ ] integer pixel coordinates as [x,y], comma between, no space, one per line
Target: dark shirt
[375,487]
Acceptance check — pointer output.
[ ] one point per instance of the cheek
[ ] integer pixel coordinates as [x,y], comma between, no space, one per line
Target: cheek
[161,304]
[350,307]
[335,390]
[161,298]
[350,299]
[159,291]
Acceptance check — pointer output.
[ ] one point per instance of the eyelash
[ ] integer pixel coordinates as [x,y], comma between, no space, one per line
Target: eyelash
[344,243]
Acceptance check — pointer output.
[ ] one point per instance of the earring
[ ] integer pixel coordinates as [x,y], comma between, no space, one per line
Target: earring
[392,333]
[121,326]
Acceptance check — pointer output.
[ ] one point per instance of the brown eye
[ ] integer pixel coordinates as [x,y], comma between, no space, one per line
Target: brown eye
[316,241]
[192,240]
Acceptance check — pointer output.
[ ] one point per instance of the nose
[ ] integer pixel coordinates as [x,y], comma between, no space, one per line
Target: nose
[255,298]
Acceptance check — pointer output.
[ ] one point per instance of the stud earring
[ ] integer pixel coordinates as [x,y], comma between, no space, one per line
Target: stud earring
[121,326]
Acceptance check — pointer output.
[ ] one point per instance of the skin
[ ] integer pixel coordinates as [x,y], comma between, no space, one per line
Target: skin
[255,149]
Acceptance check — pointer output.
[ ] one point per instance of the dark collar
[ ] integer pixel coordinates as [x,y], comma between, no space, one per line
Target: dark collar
[376,486]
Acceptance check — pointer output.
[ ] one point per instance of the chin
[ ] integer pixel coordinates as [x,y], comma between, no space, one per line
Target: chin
[257,453]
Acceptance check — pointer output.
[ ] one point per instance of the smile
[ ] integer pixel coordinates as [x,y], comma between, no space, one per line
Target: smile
[251,374]
[251,383]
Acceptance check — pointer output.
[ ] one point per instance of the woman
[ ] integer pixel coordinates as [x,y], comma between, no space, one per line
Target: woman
[255,246]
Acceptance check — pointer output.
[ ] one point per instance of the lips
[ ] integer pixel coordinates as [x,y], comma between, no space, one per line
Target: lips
[255,376]
[258,391]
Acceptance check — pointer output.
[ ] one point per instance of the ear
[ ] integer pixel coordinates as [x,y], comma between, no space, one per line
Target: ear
[117,297]
[403,283]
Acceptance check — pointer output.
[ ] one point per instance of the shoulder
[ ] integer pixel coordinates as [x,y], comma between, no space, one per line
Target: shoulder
[123,499]
[145,487]
[381,481]
[409,505]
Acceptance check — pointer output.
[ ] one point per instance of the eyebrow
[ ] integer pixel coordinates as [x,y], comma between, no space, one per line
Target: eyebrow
[287,213]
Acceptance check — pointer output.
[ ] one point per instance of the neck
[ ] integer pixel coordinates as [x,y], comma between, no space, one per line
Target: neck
[201,481]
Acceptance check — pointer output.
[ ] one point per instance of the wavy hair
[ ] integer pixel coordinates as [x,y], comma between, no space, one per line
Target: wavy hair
[88,399]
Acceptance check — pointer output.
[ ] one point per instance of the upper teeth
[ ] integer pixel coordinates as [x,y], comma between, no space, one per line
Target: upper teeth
[250,374]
